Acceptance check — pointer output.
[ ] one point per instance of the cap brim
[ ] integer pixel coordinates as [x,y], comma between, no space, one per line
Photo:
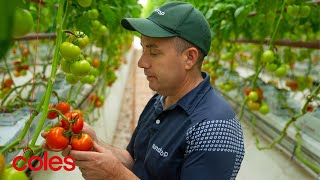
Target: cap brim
[145,27]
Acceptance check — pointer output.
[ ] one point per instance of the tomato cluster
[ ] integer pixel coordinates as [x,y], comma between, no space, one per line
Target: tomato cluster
[273,64]
[6,86]
[97,101]
[58,138]
[73,63]
[255,100]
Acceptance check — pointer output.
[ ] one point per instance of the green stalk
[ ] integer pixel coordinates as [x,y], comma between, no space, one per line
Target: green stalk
[299,153]
[52,75]
[277,26]
[293,119]
[50,82]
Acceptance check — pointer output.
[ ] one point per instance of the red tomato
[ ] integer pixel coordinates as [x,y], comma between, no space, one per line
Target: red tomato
[84,143]
[8,82]
[55,139]
[52,114]
[247,91]
[75,121]
[63,107]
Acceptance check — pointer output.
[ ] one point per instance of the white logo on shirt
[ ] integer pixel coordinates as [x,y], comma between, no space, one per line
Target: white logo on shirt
[159,12]
[160,151]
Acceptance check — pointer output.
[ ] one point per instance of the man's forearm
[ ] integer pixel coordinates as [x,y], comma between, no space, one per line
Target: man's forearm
[122,154]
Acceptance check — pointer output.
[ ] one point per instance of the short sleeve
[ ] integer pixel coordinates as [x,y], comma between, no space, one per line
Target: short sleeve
[214,150]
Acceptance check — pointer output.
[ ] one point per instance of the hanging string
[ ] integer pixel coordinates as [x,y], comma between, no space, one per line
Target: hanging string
[35,62]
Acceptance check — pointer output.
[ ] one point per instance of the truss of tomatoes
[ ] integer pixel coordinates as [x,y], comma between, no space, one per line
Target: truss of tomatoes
[58,138]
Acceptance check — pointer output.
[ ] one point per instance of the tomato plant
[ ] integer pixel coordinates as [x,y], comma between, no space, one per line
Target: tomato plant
[83,143]
[56,140]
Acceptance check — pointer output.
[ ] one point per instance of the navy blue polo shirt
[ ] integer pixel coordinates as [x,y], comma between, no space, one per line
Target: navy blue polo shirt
[199,138]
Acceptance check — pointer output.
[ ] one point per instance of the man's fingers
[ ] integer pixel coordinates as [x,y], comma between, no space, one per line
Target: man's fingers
[82,155]
[66,151]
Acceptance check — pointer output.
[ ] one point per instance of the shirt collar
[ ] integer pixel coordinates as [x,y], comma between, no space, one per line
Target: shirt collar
[189,101]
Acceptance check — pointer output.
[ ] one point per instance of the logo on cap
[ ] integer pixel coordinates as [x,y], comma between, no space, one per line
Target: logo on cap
[160,12]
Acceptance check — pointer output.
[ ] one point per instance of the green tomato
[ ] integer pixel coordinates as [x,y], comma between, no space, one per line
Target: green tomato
[93,13]
[71,79]
[69,51]
[79,39]
[22,22]
[271,67]
[102,29]
[304,11]
[253,96]
[95,24]
[12,174]
[65,65]
[267,56]
[80,68]
[95,72]
[88,79]
[264,109]
[293,10]
[281,71]
[84,3]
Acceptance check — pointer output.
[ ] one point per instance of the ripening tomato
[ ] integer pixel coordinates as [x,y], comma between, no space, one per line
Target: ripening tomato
[51,114]
[55,139]
[22,22]
[69,51]
[63,107]
[12,174]
[84,143]
[95,62]
[8,82]
[309,108]
[75,121]
[253,105]
[78,111]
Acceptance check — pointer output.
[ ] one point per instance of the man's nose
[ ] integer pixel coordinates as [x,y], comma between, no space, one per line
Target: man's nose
[143,62]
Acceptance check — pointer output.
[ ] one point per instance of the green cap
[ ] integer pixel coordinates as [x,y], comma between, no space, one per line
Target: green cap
[174,19]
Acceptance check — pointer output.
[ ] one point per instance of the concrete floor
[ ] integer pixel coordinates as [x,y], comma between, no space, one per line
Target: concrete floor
[257,165]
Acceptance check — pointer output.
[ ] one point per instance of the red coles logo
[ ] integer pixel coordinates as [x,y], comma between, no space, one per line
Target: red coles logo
[55,163]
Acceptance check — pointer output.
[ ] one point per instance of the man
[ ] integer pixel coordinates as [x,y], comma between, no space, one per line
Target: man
[187,130]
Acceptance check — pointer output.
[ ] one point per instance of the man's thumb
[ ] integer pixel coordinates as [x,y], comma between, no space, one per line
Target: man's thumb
[97,147]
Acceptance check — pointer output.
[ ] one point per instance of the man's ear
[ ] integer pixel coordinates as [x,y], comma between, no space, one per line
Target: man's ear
[191,55]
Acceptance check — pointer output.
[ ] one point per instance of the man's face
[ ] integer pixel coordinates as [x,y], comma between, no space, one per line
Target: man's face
[162,64]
